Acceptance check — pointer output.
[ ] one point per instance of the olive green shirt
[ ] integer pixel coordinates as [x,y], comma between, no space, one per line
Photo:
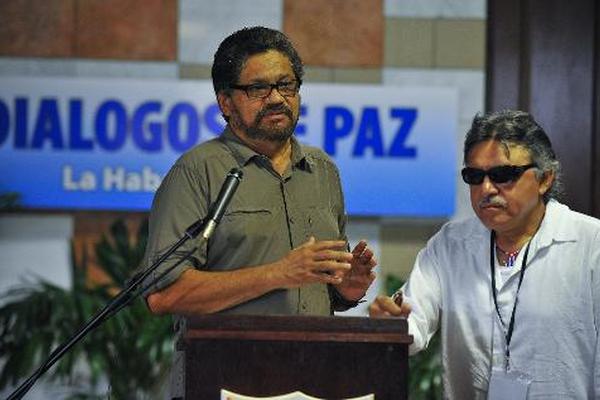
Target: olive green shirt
[268,216]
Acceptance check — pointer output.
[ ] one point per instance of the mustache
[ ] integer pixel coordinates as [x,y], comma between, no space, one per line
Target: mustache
[274,109]
[495,201]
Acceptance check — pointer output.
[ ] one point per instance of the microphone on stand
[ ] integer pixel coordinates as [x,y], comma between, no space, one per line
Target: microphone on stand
[127,295]
[216,211]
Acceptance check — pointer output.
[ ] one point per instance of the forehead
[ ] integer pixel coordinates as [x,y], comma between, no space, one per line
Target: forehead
[266,67]
[491,153]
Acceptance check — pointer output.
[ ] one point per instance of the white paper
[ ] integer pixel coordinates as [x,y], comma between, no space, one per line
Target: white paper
[227,395]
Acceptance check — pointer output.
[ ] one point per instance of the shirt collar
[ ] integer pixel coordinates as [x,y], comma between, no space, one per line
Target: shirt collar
[243,154]
[555,226]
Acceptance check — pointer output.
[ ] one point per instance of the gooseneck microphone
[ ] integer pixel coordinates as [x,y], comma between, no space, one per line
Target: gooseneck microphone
[216,211]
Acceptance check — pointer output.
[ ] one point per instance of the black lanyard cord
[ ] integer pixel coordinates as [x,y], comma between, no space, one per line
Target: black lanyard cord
[511,325]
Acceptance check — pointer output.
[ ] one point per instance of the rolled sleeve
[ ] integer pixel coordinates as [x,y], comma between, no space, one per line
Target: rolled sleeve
[179,202]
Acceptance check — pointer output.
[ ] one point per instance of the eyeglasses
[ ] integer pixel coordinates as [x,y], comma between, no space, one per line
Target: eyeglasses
[500,174]
[263,90]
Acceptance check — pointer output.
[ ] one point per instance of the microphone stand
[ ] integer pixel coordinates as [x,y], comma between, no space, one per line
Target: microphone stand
[120,301]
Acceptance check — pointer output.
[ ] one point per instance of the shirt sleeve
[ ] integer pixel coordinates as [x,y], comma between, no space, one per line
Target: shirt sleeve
[179,202]
[596,293]
[423,292]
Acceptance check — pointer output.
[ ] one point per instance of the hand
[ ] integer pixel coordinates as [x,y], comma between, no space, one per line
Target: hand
[313,262]
[356,282]
[385,306]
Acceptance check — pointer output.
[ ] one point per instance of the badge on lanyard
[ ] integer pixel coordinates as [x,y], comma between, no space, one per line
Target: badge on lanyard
[508,385]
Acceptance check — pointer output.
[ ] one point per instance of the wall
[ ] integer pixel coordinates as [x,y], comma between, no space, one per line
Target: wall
[544,58]
[393,42]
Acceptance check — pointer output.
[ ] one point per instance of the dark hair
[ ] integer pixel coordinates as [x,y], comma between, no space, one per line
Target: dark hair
[235,49]
[511,127]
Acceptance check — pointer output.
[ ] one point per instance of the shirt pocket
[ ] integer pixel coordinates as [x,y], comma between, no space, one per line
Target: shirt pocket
[244,224]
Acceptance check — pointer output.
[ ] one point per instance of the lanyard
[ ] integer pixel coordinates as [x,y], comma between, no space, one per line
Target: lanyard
[511,325]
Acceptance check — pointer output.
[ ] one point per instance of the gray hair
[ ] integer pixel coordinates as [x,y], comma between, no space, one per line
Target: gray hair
[510,127]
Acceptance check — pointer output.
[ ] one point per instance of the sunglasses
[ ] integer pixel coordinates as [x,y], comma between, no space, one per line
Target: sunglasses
[500,174]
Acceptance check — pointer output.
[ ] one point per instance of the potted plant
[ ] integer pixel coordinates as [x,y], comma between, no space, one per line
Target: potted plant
[131,350]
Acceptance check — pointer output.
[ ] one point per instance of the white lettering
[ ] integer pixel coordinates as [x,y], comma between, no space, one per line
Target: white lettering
[151,180]
[121,180]
[85,182]
[114,179]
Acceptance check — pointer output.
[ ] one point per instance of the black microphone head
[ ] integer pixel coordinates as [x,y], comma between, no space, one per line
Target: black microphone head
[218,207]
[232,180]
[236,173]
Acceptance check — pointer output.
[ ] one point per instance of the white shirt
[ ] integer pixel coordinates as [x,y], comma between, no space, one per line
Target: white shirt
[557,320]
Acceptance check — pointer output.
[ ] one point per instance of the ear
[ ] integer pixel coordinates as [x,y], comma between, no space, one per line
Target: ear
[225,103]
[546,182]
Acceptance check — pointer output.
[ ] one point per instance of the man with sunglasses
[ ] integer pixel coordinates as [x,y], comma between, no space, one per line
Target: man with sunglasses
[516,289]
[281,246]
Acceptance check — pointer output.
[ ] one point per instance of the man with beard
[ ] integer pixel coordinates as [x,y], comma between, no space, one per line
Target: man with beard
[516,289]
[281,246]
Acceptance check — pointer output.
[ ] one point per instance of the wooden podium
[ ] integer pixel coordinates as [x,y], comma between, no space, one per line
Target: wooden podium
[324,357]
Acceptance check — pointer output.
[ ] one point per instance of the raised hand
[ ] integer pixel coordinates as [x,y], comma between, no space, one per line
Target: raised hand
[360,276]
[313,262]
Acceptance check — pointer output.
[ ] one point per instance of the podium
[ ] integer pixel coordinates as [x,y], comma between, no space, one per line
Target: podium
[324,357]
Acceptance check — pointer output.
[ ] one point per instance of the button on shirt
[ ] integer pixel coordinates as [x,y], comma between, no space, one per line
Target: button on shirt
[557,320]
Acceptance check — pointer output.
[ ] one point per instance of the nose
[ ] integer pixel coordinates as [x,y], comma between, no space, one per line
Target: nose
[275,96]
[488,187]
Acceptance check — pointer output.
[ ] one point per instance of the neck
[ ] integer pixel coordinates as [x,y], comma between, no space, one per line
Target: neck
[280,153]
[514,239]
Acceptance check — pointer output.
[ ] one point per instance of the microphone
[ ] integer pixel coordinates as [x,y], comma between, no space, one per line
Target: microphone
[216,211]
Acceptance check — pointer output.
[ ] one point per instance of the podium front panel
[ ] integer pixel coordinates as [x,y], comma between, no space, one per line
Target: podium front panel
[324,357]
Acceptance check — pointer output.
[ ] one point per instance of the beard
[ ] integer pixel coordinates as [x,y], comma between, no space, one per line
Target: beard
[268,133]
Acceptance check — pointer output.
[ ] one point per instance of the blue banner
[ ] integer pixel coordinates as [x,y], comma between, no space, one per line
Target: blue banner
[106,144]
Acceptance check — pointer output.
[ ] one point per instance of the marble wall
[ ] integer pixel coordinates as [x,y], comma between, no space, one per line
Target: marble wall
[388,42]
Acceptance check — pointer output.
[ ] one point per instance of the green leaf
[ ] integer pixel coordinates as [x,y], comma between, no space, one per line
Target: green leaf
[133,348]
[10,201]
